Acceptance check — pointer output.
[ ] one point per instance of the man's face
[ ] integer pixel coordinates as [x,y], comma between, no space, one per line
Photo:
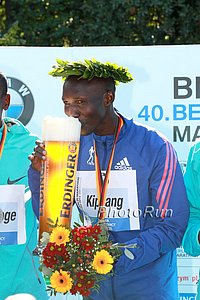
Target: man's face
[85,100]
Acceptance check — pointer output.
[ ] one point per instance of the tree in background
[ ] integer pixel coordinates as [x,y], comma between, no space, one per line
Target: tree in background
[99,22]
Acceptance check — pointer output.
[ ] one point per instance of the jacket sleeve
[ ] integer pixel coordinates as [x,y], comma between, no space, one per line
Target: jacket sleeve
[192,181]
[34,184]
[167,193]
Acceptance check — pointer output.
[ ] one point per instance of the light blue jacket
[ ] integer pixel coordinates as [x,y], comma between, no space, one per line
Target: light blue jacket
[192,181]
[18,268]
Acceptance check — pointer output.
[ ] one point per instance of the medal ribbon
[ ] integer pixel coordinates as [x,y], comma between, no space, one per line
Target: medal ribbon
[3,138]
[102,185]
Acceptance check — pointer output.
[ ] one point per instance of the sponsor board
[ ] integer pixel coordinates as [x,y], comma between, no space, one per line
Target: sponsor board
[165,94]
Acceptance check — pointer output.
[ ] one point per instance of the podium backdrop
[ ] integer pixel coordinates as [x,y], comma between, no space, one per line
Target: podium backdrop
[165,94]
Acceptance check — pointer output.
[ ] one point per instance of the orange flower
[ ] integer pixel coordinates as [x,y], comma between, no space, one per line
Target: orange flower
[102,262]
[60,235]
[61,281]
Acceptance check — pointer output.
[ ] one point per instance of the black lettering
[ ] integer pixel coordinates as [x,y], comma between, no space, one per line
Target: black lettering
[42,192]
[71,158]
[9,216]
[114,202]
[70,165]
[69,183]
[68,187]
[64,214]
[185,87]
[177,134]
[119,203]
[197,87]
[13,216]
[6,217]
[67,197]
[92,201]
[196,134]
[66,205]
[69,173]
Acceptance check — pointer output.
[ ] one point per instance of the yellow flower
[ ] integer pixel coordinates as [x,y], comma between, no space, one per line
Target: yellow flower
[102,262]
[60,235]
[61,281]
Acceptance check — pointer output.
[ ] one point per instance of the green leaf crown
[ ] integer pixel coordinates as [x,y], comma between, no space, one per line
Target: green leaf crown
[89,69]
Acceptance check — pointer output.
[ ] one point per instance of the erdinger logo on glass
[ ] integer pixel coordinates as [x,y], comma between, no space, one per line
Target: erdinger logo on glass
[22,101]
[72,147]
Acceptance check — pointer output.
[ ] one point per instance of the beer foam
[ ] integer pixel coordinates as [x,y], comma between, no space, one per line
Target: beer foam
[61,129]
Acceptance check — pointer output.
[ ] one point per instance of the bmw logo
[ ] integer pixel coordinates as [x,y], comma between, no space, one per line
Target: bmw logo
[22,101]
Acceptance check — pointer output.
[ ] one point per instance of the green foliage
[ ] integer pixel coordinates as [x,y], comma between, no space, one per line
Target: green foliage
[12,37]
[100,22]
[89,69]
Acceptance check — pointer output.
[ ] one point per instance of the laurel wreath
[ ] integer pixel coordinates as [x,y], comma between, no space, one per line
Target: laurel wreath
[89,69]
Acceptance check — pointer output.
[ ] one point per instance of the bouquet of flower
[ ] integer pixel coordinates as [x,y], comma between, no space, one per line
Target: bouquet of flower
[75,260]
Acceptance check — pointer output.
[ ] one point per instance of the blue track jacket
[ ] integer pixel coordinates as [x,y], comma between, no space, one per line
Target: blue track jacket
[146,205]
[18,268]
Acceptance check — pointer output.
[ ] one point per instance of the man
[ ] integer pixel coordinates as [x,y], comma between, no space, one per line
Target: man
[191,239]
[19,269]
[144,200]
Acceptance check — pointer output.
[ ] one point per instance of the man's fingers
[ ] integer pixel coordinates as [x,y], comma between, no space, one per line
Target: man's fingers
[36,162]
[39,151]
[38,155]
[30,157]
[40,143]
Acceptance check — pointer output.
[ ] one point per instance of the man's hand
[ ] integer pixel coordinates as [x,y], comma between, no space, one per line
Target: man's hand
[38,156]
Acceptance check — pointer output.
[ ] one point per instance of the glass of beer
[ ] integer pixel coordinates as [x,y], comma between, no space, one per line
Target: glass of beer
[62,139]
